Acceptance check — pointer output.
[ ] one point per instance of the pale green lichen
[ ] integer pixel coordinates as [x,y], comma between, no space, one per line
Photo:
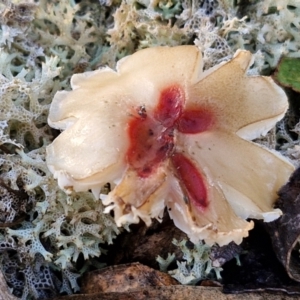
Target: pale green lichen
[61,226]
[195,266]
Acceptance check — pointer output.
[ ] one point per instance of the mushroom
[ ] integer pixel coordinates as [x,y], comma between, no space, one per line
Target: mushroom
[165,133]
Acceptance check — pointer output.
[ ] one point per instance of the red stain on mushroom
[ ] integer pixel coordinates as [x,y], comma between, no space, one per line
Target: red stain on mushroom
[170,106]
[151,136]
[191,180]
[195,121]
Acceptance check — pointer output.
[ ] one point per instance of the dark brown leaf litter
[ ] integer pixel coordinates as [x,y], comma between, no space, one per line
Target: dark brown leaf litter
[285,232]
[221,255]
[260,269]
[122,278]
[143,244]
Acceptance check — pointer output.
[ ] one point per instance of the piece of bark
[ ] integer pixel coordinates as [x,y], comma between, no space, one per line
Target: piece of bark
[285,231]
[123,278]
[176,292]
